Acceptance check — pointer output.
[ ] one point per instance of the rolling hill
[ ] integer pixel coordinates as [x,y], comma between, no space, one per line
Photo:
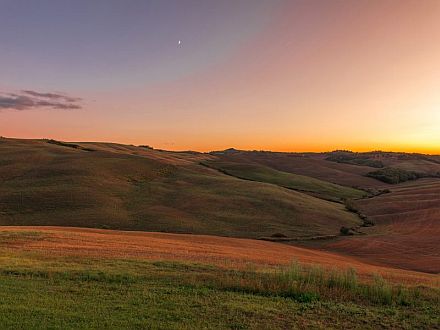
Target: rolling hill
[407,228]
[102,185]
[247,194]
[312,186]
[406,215]
[308,164]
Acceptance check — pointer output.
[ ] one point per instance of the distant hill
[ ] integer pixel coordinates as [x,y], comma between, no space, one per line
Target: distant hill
[106,185]
[306,184]
[423,165]
[342,167]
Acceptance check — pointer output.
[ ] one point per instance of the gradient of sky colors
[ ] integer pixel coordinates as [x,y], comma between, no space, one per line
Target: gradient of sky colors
[277,75]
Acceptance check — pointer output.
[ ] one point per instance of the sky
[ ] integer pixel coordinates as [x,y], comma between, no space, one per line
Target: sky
[282,75]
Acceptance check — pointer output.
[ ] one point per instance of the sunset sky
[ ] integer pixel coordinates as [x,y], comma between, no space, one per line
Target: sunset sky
[274,75]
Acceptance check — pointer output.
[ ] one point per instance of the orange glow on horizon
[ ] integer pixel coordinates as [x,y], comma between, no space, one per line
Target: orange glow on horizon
[357,75]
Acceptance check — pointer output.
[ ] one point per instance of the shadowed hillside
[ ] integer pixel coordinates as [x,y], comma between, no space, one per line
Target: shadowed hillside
[136,188]
[308,164]
[255,172]
[407,228]
[405,214]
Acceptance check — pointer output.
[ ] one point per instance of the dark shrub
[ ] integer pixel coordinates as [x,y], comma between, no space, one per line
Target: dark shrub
[395,175]
[68,145]
[279,235]
[368,223]
[346,231]
[351,206]
[354,159]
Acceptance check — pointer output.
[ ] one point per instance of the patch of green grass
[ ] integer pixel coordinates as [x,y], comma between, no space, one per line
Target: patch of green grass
[306,284]
[38,291]
[353,158]
[260,173]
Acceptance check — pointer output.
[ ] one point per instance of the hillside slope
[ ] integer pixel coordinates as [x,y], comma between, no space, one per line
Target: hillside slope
[316,187]
[134,188]
[58,278]
[312,165]
[407,231]
[222,251]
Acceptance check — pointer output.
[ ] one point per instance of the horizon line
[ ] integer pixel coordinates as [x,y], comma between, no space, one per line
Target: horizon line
[322,151]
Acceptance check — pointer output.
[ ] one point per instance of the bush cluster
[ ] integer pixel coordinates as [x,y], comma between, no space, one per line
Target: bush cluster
[395,175]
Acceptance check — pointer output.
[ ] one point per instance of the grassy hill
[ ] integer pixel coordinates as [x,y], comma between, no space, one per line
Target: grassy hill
[255,172]
[393,167]
[312,165]
[107,185]
[91,282]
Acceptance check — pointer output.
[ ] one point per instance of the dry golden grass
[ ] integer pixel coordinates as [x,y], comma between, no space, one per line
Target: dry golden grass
[221,251]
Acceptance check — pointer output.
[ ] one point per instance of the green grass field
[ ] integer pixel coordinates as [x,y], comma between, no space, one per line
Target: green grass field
[38,291]
[260,173]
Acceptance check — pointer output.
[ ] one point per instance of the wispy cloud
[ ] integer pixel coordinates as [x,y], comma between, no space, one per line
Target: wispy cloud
[53,96]
[29,100]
